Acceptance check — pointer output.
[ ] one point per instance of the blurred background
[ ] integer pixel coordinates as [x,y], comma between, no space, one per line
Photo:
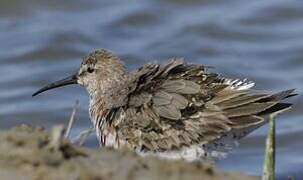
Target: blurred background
[43,41]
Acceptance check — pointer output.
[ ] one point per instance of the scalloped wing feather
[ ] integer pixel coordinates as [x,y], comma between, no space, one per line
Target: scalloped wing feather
[176,106]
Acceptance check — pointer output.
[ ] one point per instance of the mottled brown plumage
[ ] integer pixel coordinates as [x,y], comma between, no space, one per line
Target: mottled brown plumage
[170,108]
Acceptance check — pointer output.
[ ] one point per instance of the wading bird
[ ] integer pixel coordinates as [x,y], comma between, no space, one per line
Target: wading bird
[174,110]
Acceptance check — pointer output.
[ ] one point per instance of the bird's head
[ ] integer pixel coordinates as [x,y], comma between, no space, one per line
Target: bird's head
[99,71]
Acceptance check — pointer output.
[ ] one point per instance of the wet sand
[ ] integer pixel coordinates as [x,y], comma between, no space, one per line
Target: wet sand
[32,153]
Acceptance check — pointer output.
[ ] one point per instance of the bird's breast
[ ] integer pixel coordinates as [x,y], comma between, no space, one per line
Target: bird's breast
[106,132]
[109,139]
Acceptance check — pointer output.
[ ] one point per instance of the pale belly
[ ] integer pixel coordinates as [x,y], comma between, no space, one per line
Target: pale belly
[192,153]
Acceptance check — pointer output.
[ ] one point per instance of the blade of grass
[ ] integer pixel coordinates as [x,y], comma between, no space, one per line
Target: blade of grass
[270,153]
[80,139]
[269,162]
[71,119]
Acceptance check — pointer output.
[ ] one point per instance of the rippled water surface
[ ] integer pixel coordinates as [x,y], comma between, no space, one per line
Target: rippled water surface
[42,41]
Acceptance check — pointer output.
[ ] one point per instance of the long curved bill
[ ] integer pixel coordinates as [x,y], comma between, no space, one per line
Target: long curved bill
[66,81]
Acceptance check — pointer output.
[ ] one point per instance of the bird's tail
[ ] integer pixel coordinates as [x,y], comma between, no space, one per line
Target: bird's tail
[245,124]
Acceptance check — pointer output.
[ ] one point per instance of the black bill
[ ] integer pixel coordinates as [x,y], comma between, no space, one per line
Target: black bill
[69,80]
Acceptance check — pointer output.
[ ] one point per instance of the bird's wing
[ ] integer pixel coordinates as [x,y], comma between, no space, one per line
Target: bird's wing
[177,105]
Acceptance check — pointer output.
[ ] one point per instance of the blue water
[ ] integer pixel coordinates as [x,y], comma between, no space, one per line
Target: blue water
[42,41]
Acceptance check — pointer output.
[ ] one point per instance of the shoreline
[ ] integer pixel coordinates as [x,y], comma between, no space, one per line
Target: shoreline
[33,153]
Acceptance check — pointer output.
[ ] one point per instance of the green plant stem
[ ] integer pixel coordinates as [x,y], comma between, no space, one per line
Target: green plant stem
[269,162]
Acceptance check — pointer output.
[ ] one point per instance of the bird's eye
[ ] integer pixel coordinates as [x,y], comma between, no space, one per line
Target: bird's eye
[90,70]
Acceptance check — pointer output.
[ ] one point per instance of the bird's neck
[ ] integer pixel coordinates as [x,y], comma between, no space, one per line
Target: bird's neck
[104,99]
[101,105]
[105,131]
